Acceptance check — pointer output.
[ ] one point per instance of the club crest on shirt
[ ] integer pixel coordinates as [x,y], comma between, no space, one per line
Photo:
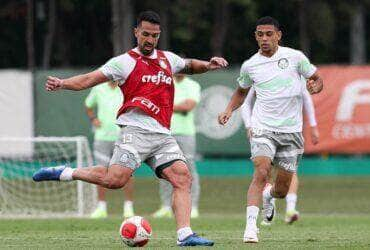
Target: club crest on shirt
[283,63]
[162,64]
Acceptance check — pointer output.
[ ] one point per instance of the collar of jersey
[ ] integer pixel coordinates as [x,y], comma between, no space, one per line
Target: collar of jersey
[152,56]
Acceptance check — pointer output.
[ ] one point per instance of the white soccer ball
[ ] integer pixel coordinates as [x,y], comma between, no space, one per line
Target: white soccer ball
[135,231]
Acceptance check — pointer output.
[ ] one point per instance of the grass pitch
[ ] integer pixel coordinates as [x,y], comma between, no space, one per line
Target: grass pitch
[335,214]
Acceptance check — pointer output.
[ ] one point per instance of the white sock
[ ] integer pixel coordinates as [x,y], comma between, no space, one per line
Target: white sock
[167,208]
[128,205]
[251,216]
[66,175]
[291,201]
[102,205]
[267,193]
[184,232]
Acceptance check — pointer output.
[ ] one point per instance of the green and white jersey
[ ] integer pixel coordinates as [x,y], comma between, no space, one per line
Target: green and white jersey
[279,87]
[183,124]
[107,101]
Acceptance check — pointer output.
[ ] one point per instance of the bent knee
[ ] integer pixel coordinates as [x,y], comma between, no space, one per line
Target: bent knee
[182,179]
[281,192]
[114,184]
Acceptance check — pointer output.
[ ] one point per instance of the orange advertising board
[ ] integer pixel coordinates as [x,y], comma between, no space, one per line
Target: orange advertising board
[342,111]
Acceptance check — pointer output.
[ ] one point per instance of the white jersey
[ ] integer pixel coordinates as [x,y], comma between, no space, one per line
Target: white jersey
[119,68]
[247,107]
[278,85]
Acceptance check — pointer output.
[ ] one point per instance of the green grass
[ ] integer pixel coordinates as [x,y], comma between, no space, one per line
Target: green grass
[335,214]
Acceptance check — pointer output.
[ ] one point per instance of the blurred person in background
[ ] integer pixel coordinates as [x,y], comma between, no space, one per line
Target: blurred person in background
[102,105]
[275,73]
[291,214]
[187,96]
[145,77]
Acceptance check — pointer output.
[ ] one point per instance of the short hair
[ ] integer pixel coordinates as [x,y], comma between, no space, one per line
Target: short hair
[267,20]
[148,16]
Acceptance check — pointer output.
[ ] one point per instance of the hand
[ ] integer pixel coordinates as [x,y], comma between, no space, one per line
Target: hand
[224,117]
[314,87]
[217,63]
[96,122]
[314,135]
[53,83]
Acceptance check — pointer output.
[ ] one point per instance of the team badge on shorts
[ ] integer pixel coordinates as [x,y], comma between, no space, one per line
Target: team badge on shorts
[162,64]
[124,158]
[283,63]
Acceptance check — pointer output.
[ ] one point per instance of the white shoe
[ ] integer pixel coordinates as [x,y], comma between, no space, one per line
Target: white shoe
[250,235]
[268,210]
[291,216]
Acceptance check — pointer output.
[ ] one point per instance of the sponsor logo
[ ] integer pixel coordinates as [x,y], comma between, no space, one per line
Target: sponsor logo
[147,103]
[287,166]
[157,79]
[355,94]
[283,63]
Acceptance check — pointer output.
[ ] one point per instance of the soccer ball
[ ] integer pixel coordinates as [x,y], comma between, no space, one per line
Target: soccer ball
[135,231]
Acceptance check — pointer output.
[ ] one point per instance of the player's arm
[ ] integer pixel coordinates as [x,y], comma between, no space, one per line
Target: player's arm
[93,119]
[315,83]
[310,112]
[236,101]
[76,83]
[195,66]
[246,110]
[185,106]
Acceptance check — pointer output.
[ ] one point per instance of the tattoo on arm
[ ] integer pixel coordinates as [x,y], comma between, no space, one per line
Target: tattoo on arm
[188,69]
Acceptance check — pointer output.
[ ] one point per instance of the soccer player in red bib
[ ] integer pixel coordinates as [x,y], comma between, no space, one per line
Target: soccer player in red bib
[145,79]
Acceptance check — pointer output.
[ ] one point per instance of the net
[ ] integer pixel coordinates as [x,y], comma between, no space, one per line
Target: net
[20,196]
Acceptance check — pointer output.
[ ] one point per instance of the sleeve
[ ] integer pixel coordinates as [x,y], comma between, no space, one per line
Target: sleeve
[91,99]
[194,91]
[113,69]
[305,68]
[244,79]
[247,107]
[177,63]
[309,108]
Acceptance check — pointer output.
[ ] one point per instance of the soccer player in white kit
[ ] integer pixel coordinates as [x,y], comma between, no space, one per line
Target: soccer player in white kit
[291,214]
[275,73]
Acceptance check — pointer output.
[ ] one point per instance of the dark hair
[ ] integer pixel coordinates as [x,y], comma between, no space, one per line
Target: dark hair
[267,20]
[148,16]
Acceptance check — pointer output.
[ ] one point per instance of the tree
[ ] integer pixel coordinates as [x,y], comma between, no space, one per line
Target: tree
[30,34]
[304,40]
[122,16]
[49,37]
[357,34]
[220,26]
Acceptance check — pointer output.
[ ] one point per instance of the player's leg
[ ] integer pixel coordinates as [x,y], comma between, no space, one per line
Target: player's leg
[262,168]
[168,162]
[125,160]
[291,200]
[165,194]
[102,154]
[179,176]
[128,205]
[188,145]
[262,150]
[288,154]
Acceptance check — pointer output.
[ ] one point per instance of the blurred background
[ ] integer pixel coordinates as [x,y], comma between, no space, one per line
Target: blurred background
[64,38]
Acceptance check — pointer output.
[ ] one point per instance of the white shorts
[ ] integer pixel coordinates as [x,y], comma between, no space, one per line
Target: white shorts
[284,149]
[136,145]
